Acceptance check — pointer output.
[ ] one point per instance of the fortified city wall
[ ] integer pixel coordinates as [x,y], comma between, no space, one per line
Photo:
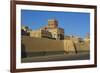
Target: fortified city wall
[39,46]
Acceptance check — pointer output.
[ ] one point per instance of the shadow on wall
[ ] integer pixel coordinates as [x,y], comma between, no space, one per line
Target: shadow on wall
[75,48]
[23,52]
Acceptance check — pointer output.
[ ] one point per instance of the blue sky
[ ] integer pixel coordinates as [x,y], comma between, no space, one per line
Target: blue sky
[74,23]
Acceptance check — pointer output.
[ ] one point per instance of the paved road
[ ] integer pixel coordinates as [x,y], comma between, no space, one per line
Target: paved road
[59,57]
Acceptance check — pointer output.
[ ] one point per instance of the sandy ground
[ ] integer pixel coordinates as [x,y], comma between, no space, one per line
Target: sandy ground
[58,57]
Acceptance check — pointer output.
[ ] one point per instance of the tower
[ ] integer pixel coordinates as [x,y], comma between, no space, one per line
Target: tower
[53,23]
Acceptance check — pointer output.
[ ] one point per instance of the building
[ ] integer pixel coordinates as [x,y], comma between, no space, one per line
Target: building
[56,32]
[40,34]
[25,31]
[51,31]
[87,38]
